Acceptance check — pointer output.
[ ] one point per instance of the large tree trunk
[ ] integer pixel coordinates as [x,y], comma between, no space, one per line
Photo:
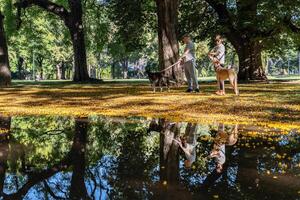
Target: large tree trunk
[169,154]
[5,123]
[167,12]
[5,75]
[250,61]
[77,35]
[20,67]
[113,70]
[78,189]
[80,67]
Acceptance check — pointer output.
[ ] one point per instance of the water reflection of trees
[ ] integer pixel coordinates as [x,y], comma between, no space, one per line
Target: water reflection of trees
[75,159]
[100,158]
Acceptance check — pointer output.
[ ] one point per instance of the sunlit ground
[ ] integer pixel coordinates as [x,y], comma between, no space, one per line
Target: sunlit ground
[276,104]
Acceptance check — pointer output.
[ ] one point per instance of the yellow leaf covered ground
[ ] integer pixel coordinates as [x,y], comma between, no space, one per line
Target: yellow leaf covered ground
[272,105]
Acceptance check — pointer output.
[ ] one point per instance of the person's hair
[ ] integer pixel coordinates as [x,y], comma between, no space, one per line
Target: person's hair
[186,35]
[219,37]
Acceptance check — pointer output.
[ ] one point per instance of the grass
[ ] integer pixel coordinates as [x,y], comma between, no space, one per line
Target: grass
[276,104]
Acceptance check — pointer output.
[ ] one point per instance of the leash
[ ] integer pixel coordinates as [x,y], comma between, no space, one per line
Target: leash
[170,66]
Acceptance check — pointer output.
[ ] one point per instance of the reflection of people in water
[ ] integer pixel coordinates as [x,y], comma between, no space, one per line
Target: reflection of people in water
[222,139]
[188,144]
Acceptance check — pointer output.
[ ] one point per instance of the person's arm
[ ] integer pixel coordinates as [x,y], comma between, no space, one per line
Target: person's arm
[215,51]
[213,55]
[182,147]
[186,51]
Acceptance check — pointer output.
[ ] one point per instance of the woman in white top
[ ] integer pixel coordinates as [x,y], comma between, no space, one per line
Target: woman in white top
[218,53]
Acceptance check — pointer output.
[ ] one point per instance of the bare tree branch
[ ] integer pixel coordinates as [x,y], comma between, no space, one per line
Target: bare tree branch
[48,189]
[54,8]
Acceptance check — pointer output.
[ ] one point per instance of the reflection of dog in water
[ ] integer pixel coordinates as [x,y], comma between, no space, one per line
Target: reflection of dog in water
[222,139]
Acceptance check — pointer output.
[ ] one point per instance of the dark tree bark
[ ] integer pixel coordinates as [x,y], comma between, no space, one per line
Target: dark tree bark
[5,123]
[20,67]
[113,70]
[169,161]
[73,21]
[5,75]
[250,62]
[78,189]
[167,12]
[75,26]
[169,154]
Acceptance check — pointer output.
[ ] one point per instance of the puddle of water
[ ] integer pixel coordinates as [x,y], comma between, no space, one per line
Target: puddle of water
[136,158]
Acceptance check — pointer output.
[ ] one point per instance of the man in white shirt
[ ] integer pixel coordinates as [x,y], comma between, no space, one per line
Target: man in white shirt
[188,144]
[218,54]
[189,60]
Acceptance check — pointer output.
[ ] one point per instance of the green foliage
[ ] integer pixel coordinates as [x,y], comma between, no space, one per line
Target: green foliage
[130,20]
[119,32]
[40,140]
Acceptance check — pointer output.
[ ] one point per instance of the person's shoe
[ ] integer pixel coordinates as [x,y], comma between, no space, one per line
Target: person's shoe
[197,90]
[189,90]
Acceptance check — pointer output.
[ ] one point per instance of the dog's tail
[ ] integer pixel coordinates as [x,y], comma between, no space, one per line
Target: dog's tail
[235,68]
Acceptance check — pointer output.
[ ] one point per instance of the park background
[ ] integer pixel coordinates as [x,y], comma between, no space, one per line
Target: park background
[121,38]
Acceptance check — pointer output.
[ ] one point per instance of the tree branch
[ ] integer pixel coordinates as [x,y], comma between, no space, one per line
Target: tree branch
[224,16]
[48,189]
[268,33]
[37,177]
[288,22]
[46,5]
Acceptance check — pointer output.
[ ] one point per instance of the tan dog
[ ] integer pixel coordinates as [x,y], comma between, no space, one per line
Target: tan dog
[224,74]
[227,74]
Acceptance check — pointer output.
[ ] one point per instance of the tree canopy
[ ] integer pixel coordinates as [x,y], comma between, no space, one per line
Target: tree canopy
[116,38]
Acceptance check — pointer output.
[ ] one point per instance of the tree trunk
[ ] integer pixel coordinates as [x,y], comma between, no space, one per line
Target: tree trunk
[125,68]
[113,70]
[250,61]
[77,36]
[5,124]
[20,67]
[5,75]
[167,12]
[68,70]
[39,61]
[169,154]
[60,67]
[299,62]
[78,189]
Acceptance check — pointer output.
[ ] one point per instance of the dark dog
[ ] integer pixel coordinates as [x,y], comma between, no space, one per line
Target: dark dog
[158,79]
